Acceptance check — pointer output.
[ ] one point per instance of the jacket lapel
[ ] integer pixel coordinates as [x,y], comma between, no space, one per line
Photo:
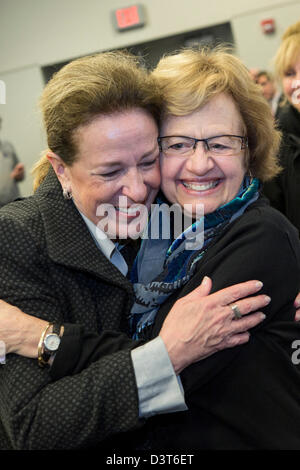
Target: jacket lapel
[69,241]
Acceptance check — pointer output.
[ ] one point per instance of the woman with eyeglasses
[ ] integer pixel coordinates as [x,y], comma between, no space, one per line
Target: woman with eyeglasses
[218,144]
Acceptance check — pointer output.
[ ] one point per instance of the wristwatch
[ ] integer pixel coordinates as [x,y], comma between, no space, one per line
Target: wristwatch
[49,343]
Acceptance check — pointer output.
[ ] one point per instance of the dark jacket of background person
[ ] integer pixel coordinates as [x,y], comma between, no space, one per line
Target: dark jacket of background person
[50,266]
[246,397]
[284,191]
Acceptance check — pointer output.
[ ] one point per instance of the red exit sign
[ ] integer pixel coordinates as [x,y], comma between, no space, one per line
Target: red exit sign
[130,17]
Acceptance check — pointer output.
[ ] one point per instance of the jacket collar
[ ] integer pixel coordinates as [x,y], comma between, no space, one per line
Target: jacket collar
[69,241]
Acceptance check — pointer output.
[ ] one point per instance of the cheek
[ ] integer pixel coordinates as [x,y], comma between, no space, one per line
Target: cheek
[169,168]
[168,180]
[155,177]
[235,174]
[287,86]
[90,196]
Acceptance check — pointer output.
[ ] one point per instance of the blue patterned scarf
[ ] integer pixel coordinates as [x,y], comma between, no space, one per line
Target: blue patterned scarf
[163,266]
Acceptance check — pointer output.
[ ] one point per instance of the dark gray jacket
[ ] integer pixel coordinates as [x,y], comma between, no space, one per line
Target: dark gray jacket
[50,267]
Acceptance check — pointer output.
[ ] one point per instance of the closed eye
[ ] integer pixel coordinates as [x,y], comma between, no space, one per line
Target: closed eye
[110,174]
[149,163]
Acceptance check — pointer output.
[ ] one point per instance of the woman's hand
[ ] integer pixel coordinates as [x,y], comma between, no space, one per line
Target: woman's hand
[200,324]
[20,332]
[297,305]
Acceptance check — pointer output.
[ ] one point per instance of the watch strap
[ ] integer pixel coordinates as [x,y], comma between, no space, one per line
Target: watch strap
[43,355]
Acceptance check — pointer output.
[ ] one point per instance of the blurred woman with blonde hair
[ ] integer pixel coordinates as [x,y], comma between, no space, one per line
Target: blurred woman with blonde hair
[284,191]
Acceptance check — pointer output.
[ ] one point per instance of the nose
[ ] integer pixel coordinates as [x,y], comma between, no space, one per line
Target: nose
[200,162]
[134,186]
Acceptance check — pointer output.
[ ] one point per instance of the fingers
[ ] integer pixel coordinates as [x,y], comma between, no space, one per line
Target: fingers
[235,340]
[251,304]
[201,291]
[245,324]
[239,330]
[205,287]
[230,294]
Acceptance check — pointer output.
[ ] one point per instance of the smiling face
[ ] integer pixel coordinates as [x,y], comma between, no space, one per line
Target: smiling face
[203,178]
[291,83]
[117,156]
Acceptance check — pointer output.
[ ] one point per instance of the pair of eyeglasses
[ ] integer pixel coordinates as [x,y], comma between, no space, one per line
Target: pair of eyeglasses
[180,145]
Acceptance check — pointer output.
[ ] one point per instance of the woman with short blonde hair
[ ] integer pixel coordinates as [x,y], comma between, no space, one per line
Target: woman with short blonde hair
[218,143]
[193,77]
[284,191]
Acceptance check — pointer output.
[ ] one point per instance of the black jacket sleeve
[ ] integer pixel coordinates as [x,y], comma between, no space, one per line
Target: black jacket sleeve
[80,348]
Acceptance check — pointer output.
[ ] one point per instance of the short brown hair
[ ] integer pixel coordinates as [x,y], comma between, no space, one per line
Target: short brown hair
[264,73]
[87,87]
[190,78]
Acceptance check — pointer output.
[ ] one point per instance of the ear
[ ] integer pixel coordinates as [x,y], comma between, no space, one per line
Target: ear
[61,169]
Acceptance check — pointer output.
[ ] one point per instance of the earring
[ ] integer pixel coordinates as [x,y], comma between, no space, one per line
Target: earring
[67,194]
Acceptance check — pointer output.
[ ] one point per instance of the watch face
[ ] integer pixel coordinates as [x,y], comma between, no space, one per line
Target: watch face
[52,342]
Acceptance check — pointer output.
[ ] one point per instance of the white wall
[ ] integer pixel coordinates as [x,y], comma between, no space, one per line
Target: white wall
[257,49]
[34,33]
[49,31]
[21,118]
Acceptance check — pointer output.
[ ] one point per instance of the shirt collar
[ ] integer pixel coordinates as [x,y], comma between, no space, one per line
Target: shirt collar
[101,239]
[106,246]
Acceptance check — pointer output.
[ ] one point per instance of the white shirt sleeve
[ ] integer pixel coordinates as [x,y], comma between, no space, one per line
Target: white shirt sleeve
[159,389]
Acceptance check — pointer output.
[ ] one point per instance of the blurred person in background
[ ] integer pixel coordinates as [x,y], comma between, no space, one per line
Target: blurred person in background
[284,191]
[269,89]
[253,73]
[11,172]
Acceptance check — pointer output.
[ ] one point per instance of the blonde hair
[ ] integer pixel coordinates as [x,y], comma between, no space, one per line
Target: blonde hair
[288,50]
[100,84]
[190,78]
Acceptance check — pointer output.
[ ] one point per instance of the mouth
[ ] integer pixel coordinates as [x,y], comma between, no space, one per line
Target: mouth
[201,186]
[130,211]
